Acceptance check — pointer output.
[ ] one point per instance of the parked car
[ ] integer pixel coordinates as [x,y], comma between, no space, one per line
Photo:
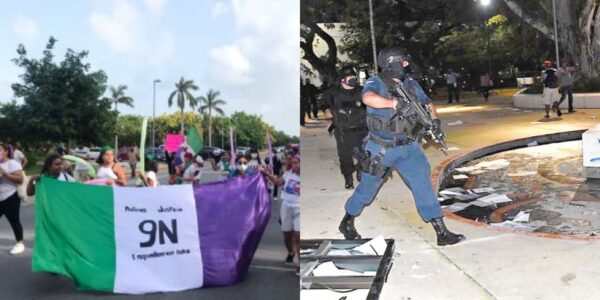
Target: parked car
[279,149]
[212,152]
[122,155]
[94,153]
[159,154]
[242,151]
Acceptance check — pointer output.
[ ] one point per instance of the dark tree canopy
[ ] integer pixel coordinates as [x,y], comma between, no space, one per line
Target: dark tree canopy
[436,33]
[62,102]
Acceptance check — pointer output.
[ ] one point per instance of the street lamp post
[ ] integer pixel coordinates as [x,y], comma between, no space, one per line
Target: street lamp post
[222,134]
[555,34]
[154,110]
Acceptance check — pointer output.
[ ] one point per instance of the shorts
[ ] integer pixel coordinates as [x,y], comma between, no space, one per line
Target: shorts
[290,218]
[550,96]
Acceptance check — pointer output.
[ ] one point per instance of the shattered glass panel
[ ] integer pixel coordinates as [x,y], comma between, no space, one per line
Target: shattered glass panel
[545,181]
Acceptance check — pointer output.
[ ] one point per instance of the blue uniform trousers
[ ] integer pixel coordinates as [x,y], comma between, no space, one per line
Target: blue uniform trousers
[411,163]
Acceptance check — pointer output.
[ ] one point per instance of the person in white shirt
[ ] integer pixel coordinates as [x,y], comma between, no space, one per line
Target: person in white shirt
[149,177]
[192,173]
[453,85]
[81,169]
[19,156]
[254,161]
[109,168]
[11,175]
[290,208]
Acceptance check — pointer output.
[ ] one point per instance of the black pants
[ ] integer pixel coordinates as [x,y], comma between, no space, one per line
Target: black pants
[452,90]
[485,90]
[11,207]
[346,142]
[303,106]
[314,107]
[170,166]
[564,92]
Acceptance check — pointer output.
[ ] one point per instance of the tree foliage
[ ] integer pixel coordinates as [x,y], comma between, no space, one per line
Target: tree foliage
[129,130]
[182,94]
[249,129]
[436,33]
[577,27]
[117,95]
[62,102]
[208,104]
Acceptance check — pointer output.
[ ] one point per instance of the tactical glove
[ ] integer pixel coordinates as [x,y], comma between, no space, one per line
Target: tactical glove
[400,105]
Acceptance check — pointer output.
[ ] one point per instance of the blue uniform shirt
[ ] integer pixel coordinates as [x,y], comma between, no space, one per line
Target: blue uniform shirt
[376,85]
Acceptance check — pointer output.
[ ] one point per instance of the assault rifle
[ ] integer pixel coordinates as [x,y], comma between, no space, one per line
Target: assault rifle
[421,119]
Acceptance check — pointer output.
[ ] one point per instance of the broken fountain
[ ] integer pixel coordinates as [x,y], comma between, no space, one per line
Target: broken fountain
[547,185]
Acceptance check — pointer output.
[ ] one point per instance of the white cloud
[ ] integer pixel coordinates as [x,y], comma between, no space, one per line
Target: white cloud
[230,65]
[219,9]
[155,6]
[24,27]
[270,25]
[268,38]
[118,29]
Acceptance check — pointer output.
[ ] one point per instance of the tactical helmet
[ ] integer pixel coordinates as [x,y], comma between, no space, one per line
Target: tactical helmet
[348,70]
[390,61]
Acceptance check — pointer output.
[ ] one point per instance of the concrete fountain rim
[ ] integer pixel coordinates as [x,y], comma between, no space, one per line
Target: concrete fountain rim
[442,169]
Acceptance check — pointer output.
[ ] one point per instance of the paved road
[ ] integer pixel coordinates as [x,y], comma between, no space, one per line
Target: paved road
[268,277]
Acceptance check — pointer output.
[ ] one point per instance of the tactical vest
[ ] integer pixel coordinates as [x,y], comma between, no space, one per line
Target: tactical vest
[349,113]
[402,125]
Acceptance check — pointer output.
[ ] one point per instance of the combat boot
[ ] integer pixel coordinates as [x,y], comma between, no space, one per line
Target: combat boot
[347,228]
[349,182]
[445,237]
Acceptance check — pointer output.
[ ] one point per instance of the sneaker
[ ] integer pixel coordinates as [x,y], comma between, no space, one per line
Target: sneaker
[18,248]
[289,259]
[298,271]
[554,106]
[558,112]
[547,117]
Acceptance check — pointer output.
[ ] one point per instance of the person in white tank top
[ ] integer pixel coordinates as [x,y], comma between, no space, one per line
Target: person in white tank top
[109,169]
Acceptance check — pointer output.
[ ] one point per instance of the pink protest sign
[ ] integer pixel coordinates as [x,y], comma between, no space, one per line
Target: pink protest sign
[173,141]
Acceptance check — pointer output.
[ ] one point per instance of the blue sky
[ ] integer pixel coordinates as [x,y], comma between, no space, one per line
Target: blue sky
[248,50]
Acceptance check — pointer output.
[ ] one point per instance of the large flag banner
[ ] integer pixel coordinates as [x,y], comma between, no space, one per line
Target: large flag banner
[194,140]
[143,240]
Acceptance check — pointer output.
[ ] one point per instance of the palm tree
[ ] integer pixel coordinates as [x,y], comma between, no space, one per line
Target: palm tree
[118,96]
[210,103]
[183,93]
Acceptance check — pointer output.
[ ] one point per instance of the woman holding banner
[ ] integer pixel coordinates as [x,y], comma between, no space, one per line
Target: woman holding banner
[11,175]
[254,161]
[53,168]
[149,177]
[109,169]
[290,207]
[241,163]
[224,163]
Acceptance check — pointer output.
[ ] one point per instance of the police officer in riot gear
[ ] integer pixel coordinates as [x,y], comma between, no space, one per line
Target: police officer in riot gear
[393,144]
[349,121]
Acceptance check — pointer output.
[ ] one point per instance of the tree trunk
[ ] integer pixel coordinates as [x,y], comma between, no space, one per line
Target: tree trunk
[326,67]
[209,127]
[578,27]
[182,132]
